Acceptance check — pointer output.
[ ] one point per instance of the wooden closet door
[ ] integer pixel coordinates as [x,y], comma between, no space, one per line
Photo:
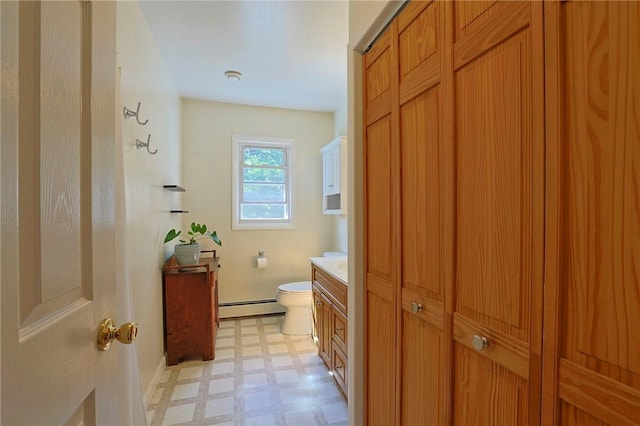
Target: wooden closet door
[422,376]
[498,212]
[592,308]
[381,239]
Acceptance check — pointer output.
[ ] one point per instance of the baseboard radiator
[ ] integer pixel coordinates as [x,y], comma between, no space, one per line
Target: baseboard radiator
[248,308]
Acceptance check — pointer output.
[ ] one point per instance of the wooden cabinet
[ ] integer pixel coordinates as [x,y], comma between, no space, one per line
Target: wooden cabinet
[334,177]
[191,316]
[330,323]
[482,200]
[322,324]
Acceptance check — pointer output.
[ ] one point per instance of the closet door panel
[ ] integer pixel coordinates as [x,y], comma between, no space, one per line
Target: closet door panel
[420,195]
[380,237]
[422,367]
[380,356]
[421,402]
[498,213]
[594,145]
[488,394]
[494,188]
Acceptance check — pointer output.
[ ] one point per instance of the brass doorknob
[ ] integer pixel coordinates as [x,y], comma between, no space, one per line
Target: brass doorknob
[126,333]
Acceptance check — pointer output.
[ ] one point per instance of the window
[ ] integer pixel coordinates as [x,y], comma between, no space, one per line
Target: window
[262,185]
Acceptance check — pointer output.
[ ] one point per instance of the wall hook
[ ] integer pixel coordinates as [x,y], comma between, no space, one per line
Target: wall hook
[130,113]
[140,144]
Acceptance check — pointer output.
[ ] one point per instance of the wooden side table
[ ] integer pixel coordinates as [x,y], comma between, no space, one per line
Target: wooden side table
[191,315]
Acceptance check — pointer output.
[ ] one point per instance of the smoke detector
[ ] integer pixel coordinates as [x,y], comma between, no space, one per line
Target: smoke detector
[233,75]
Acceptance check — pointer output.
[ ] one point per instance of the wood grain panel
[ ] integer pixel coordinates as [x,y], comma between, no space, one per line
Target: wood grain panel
[486,393]
[467,12]
[419,128]
[380,359]
[418,41]
[421,377]
[599,395]
[572,416]
[592,312]
[378,198]
[431,310]
[378,108]
[602,213]
[494,188]
[378,78]
[512,17]
[503,349]
[420,24]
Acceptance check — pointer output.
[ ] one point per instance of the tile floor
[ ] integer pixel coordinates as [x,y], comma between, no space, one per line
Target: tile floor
[259,377]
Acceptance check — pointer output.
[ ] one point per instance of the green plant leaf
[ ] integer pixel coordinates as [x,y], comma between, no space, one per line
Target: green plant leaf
[171,235]
[215,238]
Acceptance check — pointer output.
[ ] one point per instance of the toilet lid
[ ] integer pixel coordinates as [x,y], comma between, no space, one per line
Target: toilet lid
[298,287]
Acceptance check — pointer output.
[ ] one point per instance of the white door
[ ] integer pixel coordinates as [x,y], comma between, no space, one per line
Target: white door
[57,266]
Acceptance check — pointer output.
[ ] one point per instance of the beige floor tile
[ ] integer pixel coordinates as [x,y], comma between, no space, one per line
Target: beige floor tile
[265,420]
[185,391]
[223,332]
[301,417]
[219,407]
[179,414]
[253,364]
[283,383]
[257,400]
[255,380]
[190,373]
[281,361]
[278,349]
[222,385]
[252,351]
[335,413]
[287,376]
[250,340]
[225,367]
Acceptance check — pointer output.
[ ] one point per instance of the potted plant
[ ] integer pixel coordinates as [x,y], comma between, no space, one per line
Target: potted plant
[188,253]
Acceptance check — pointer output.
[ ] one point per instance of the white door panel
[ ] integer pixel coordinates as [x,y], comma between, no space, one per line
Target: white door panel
[57,268]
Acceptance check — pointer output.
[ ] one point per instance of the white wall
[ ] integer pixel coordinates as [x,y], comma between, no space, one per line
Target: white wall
[207,129]
[340,221]
[145,78]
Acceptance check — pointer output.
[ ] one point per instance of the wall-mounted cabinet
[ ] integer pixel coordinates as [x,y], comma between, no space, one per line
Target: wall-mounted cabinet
[334,177]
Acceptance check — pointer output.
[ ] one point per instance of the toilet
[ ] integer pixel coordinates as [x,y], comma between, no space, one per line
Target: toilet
[297,298]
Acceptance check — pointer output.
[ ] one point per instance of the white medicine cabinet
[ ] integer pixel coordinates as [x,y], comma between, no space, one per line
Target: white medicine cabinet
[334,176]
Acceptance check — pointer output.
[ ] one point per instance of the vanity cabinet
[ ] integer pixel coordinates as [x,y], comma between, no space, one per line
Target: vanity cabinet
[191,315]
[334,177]
[330,323]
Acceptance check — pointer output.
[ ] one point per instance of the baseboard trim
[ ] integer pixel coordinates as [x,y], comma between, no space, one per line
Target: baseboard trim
[148,394]
[247,310]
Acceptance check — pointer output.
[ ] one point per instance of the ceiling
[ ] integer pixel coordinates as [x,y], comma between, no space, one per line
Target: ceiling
[292,54]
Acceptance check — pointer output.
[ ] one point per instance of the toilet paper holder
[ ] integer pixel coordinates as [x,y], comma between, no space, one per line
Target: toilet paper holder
[261,260]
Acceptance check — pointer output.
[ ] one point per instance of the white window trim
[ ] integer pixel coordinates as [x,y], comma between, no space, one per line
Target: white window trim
[237,141]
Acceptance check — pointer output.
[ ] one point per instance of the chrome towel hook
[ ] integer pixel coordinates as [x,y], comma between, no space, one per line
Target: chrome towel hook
[130,113]
[140,144]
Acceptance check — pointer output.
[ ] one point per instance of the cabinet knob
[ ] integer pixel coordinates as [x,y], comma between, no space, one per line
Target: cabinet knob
[479,342]
[319,302]
[339,329]
[416,307]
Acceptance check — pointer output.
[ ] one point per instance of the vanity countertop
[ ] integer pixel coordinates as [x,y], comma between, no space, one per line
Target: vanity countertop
[336,266]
